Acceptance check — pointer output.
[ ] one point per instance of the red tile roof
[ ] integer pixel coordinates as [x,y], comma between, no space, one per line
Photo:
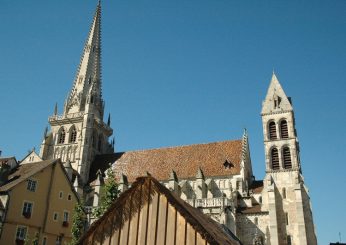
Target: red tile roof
[184,160]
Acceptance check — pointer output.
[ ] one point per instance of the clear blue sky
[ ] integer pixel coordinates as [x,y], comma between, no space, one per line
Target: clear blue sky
[183,72]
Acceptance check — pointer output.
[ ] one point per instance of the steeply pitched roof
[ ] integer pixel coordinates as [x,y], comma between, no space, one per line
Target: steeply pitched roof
[184,160]
[257,186]
[22,172]
[141,192]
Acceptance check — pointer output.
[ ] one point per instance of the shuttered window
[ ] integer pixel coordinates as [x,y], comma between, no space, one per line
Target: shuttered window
[287,158]
[284,129]
[272,131]
[275,159]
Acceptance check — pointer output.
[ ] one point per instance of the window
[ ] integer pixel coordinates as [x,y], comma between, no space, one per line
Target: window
[272,131]
[60,194]
[61,136]
[73,135]
[275,159]
[55,216]
[27,209]
[289,240]
[283,193]
[260,199]
[58,240]
[65,221]
[284,129]
[256,221]
[31,185]
[69,197]
[286,214]
[287,158]
[21,233]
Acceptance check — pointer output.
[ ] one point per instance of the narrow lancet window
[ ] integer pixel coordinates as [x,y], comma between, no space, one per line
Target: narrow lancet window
[284,129]
[287,158]
[275,159]
[61,136]
[272,131]
[73,135]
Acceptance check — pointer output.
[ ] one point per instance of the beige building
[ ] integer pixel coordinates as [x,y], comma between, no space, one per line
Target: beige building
[37,202]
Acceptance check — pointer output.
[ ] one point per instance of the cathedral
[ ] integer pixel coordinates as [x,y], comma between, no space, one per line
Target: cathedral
[216,178]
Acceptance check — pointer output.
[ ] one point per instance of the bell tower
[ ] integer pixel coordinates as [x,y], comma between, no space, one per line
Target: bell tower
[79,133]
[287,197]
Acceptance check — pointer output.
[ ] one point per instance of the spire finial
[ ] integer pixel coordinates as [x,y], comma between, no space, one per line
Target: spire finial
[56,109]
[109,120]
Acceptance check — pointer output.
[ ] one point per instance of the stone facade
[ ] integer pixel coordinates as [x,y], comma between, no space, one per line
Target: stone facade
[80,133]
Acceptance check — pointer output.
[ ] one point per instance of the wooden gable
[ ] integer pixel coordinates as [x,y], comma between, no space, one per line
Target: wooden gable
[148,213]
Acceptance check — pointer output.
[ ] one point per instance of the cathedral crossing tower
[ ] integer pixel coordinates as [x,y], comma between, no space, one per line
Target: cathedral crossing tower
[287,199]
[79,133]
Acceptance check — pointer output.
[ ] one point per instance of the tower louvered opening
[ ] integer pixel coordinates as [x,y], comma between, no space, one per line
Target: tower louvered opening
[275,159]
[272,131]
[284,129]
[287,158]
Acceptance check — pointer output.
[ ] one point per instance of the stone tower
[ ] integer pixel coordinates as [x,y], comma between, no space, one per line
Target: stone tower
[79,133]
[286,197]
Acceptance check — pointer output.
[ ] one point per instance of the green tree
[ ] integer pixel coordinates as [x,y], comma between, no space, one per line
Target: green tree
[109,192]
[78,219]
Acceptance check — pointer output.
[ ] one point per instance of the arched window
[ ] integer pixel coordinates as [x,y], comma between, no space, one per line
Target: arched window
[284,129]
[73,134]
[275,159]
[284,193]
[287,158]
[61,136]
[272,131]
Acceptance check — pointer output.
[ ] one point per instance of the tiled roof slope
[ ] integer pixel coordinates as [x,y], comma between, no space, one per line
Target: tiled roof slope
[22,172]
[184,160]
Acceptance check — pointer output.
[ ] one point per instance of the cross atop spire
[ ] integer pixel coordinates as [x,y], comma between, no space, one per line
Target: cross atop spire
[87,84]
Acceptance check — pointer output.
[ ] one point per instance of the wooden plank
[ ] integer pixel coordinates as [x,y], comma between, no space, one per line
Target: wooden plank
[153,209]
[200,240]
[171,225]
[162,219]
[143,225]
[133,232]
[190,235]
[124,232]
[180,234]
[115,237]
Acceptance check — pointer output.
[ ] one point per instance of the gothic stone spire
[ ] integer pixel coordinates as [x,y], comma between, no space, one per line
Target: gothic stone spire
[276,99]
[87,84]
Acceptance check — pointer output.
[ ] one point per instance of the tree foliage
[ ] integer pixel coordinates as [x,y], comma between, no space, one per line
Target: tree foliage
[109,192]
[78,222]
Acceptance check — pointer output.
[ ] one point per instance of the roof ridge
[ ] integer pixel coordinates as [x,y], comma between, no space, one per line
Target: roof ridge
[181,146]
